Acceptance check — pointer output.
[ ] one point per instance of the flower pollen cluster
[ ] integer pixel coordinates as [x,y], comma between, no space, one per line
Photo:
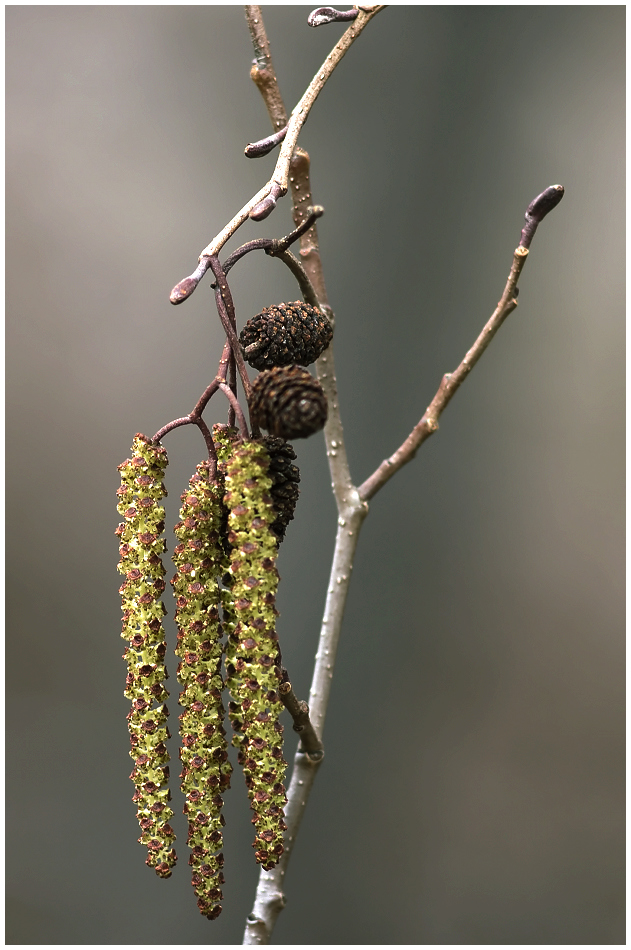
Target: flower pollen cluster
[141,545]
[252,653]
[205,767]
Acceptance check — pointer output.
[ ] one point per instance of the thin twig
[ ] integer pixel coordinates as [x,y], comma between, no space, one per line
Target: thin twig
[225,307]
[262,72]
[279,182]
[210,445]
[234,402]
[273,246]
[451,382]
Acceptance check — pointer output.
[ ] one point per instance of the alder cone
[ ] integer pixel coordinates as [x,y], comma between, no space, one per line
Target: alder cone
[286,334]
[285,477]
[288,402]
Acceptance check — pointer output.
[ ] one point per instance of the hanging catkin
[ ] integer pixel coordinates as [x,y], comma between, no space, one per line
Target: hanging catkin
[205,768]
[252,653]
[140,549]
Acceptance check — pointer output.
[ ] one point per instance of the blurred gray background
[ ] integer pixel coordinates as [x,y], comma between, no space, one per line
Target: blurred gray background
[473,785]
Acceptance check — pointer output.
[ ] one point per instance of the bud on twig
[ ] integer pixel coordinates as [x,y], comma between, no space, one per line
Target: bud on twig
[330,15]
[265,207]
[265,146]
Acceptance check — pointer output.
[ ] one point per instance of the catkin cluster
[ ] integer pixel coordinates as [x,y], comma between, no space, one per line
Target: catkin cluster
[141,545]
[206,770]
[252,652]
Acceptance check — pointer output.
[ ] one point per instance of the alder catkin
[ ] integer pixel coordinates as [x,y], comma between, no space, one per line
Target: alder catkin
[206,770]
[141,545]
[252,654]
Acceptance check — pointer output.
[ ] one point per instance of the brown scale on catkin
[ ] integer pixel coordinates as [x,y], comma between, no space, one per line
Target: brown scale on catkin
[140,549]
[206,770]
[252,653]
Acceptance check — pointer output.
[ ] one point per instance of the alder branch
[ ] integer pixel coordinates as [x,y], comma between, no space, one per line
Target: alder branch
[279,182]
[351,502]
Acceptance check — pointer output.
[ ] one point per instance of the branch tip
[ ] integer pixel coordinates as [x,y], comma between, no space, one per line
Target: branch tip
[538,209]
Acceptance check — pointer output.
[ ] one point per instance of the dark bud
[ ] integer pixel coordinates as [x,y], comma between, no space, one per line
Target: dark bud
[265,207]
[538,209]
[330,15]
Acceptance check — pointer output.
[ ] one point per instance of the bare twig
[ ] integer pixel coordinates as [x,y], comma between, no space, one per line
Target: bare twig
[451,382]
[234,402]
[279,182]
[273,246]
[262,72]
[225,307]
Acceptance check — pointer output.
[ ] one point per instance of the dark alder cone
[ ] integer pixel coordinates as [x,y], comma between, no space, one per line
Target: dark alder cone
[285,477]
[288,402]
[289,333]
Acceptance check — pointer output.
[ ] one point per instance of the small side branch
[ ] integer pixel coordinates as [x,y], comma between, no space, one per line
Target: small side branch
[451,382]
[299,712]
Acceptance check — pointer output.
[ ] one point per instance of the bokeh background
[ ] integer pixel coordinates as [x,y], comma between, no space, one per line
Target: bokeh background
[473,785]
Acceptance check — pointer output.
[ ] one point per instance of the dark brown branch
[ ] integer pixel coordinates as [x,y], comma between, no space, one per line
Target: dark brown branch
[170,426]
[225,307]
[195,417]
[210,445]
[265,146]
[451,382]
[273,246]
[330,15]
[234,402]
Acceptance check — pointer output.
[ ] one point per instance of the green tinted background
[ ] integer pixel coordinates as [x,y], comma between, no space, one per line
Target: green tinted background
[473,785]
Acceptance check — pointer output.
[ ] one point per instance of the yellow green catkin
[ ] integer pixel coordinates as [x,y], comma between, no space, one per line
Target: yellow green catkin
[141,544]
[252,655]
[206,770]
